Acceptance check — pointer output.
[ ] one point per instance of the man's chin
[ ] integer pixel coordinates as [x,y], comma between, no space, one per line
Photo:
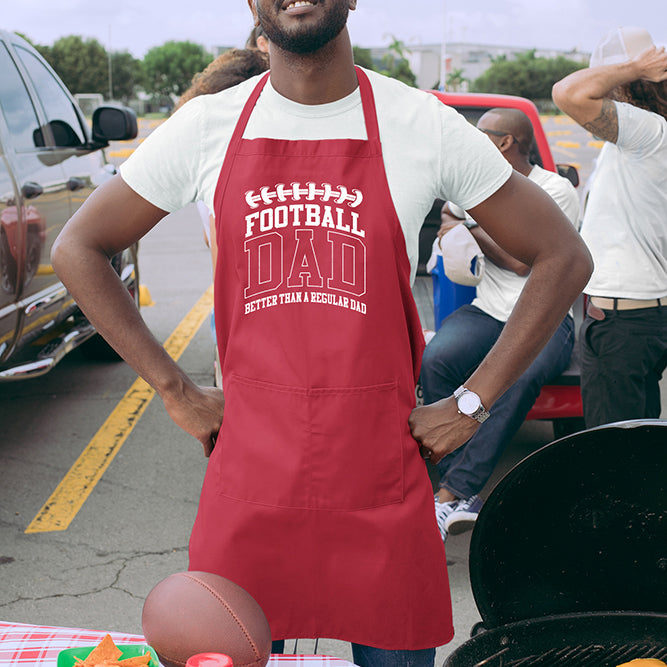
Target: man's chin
[303,45]
[307,36]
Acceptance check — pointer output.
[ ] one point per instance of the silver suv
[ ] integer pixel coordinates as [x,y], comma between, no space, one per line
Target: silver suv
[50,161]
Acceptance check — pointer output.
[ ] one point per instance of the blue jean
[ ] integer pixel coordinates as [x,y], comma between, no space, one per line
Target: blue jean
[463,340]
[367,656]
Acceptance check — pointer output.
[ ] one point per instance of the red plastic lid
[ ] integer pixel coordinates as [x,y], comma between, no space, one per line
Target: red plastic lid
[209,660]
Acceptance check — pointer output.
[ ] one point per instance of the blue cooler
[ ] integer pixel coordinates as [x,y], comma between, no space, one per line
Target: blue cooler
[447,296]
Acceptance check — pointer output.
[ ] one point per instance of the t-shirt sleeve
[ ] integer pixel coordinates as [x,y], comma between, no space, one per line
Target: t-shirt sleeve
[565,195]
[639,132]
[164,167]
[472,167]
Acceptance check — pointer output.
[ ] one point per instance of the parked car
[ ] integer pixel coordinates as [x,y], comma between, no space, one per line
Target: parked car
[560,401]
[50,161]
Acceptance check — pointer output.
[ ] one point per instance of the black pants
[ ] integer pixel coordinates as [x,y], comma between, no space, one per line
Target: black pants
[623,357]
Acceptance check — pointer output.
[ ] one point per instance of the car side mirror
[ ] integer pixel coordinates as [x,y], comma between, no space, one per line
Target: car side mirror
[570,172]
[114,123]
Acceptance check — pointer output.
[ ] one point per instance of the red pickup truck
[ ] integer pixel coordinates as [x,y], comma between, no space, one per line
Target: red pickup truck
[559,402]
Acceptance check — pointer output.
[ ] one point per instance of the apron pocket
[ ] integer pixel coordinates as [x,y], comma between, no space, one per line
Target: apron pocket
[356,444]
[337,449]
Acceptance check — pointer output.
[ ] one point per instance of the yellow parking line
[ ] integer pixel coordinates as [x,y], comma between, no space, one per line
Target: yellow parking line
[563,120]
[561,151]
[70,495]
[45,270]
[123,152]
[568,144]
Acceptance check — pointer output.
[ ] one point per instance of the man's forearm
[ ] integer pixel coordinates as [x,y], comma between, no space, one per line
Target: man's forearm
[581,94]
[532,228]
[497,255]
[597,82]
[102,297]
[112,218]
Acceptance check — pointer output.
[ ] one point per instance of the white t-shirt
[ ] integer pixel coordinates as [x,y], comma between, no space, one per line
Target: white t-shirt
[499,289]
[625,222]
[430,151]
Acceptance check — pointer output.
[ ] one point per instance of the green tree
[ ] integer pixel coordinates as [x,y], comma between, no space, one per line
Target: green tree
[168,69]
[526,76]
[455,80]
[82,64]
[362,57]
[396,65]
[126,75]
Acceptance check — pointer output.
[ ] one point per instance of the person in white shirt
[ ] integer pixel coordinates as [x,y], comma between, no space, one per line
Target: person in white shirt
[622,99]
[466,336]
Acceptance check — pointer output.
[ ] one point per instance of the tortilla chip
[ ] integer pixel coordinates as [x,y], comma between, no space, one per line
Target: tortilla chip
[105,652]
[136,662]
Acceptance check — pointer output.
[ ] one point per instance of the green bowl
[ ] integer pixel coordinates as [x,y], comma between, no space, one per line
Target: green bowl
[67,657]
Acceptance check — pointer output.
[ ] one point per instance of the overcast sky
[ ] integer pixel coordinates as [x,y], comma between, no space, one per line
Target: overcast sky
[138,25]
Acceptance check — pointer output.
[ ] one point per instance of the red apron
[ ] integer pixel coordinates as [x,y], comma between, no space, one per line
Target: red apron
[316,500]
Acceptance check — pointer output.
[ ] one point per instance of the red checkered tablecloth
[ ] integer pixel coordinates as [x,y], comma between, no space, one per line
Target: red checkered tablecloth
[35,645]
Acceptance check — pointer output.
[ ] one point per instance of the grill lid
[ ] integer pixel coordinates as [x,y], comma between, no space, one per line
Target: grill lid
[578,526]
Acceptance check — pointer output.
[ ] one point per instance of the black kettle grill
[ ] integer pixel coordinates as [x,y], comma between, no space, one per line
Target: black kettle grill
[568,558]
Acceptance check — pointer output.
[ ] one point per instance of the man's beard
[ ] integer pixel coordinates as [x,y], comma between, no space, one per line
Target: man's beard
[303,41]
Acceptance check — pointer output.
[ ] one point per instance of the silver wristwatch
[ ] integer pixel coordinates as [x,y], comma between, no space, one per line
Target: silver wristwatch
[470,404]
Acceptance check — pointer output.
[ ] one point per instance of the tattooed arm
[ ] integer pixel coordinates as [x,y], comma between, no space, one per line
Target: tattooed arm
[584,95]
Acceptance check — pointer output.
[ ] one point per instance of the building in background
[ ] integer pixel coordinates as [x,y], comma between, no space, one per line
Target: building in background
[472,60]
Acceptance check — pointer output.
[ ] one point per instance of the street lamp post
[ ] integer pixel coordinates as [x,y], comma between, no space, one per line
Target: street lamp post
[110,68]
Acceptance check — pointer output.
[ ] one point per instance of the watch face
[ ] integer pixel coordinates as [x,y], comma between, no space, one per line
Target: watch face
[468,403]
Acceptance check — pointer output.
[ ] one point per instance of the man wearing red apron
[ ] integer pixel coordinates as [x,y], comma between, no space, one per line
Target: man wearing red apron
[316,499]
[320,344]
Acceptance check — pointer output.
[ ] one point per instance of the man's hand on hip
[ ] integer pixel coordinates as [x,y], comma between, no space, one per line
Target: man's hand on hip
[440,428]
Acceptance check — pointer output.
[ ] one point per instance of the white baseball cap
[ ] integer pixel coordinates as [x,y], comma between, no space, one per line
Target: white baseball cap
[620,45]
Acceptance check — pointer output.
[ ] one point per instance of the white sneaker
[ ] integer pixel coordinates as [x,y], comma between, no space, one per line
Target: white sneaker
[442,513]
[463,516]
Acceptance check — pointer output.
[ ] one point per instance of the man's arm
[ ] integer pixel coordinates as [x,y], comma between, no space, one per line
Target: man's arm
[583,95]
[113,218]
[487,245]
[497,255]
[530,226]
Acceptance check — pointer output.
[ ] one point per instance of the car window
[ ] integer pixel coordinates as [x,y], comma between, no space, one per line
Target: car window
[16,105]
[472,114]
[60,113]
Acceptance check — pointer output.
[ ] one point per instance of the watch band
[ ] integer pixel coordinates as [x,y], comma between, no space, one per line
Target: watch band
[481,414]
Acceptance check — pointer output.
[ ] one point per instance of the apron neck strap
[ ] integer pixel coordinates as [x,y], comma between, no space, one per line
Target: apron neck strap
[367,103]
